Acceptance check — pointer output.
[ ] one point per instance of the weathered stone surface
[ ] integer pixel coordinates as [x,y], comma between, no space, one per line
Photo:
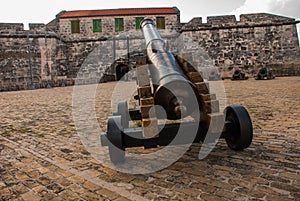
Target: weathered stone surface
[30,197]
[56,166]
[50,56]
[108,28]
[257,40]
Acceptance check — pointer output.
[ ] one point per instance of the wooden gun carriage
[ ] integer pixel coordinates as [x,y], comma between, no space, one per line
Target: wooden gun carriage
[172,83]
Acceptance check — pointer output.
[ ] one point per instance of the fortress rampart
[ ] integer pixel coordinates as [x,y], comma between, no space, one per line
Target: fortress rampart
[43,56]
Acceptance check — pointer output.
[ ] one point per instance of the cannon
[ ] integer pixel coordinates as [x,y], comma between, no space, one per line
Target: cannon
[239,75]
[264,74]
[173,84]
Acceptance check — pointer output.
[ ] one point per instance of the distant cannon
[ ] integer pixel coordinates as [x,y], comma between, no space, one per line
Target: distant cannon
[180,90]
[264,74]
[239,75]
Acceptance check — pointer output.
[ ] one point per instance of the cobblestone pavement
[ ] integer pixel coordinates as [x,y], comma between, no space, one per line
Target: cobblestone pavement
[42,157]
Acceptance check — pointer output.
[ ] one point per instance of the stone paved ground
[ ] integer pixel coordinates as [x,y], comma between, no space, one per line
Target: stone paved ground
[42,157]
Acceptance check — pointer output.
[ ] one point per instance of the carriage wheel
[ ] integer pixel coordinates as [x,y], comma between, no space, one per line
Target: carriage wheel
[114,135]
[241,130]
[123,111]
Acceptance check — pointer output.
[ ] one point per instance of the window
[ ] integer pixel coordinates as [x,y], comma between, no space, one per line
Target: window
[119,24]
[138,21]
[97,25]
[75,26]
[160,22]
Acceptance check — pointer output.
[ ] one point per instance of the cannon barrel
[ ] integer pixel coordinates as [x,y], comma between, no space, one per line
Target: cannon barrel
[179,97]
[172,90]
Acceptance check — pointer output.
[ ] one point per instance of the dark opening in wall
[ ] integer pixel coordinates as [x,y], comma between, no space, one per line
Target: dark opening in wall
[160,22]
[75,26]
[121,70]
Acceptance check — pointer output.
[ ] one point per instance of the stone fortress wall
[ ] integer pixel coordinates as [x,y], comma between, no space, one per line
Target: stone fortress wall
[30,57]
[257,40]
[107,26]
[43,56]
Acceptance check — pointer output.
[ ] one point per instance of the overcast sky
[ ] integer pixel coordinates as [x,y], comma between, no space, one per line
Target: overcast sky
[43,11]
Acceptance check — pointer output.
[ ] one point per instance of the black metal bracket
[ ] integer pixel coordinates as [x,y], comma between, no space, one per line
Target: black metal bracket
[133,137]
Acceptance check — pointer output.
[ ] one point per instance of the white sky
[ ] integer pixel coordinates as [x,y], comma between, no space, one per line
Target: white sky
[43,11]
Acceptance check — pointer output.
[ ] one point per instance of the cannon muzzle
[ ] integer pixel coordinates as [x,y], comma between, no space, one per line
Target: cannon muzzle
[172,90]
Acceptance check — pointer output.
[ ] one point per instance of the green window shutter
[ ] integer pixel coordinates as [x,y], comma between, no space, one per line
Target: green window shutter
[75,26]
[119,24]
[97,25]
[160,22]
[138,21]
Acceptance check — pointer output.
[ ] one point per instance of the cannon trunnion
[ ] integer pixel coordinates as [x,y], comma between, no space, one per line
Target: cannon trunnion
[175,86]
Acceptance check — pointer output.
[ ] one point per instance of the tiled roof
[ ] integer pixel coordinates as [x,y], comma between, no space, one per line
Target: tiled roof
[119,12]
